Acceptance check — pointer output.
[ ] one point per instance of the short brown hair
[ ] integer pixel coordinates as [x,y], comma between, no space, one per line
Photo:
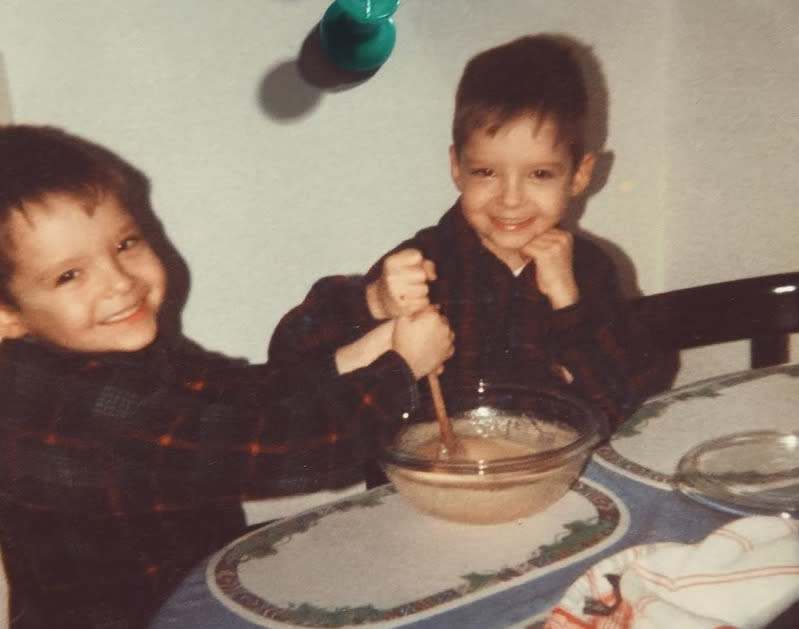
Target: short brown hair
[535,74]
[37,161]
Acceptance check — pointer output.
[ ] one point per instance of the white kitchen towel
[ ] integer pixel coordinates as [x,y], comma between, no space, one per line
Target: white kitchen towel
[741,576]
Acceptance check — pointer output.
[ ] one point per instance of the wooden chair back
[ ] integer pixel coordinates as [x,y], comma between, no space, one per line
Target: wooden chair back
[764,310]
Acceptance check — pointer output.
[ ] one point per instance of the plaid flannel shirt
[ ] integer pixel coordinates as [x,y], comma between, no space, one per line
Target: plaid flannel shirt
[120,471]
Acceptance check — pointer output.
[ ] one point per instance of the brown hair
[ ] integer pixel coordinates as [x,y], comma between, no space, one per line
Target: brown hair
[535,75]
[37,161]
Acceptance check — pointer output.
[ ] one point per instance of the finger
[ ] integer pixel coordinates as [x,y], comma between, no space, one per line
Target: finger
[399,282]
[409,303]
[552,239]
[410,307]
[429,268]
[543,246]
[540,243]
[404,258]
[426,306]
[415,291]
[429,310]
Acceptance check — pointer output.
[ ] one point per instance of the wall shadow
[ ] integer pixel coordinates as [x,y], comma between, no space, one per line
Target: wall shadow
[294,88]
[177,272]
[596,139]
[6,109]
[628,276]
[139,205]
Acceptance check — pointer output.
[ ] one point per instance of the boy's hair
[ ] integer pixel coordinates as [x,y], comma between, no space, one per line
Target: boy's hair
[536,74]
[37,161]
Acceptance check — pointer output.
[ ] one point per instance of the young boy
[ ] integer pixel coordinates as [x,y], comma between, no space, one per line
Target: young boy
[529,302]
[125,452]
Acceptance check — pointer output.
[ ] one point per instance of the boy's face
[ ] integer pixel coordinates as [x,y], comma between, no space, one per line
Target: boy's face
[84,281]
[516,184]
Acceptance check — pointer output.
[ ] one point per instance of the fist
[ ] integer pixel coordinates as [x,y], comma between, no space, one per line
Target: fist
[552,253]
[424,340]
[401,289]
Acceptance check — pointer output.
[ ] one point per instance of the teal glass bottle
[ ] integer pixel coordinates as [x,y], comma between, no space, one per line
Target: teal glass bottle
[359,35]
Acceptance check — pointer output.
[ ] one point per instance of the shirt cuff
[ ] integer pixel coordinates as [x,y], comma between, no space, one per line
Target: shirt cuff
[359,311]
[394,383]
[578,321]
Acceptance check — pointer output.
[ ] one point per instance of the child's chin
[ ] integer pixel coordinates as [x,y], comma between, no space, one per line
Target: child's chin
[133,342]
[136,344]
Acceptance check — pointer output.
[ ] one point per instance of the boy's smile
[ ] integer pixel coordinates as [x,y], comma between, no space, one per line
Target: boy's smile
[84,279]
[516,184]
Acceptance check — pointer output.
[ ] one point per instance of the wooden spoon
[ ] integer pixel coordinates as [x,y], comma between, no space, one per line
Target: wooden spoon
[450,445]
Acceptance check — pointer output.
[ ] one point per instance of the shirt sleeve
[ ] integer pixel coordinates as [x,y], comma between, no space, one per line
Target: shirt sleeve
[116,435]
[333,313]
[270,430]
[605,349]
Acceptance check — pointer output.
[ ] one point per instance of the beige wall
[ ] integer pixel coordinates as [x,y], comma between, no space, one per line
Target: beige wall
[265,182]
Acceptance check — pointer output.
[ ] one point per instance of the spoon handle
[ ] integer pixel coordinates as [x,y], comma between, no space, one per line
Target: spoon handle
[444,424]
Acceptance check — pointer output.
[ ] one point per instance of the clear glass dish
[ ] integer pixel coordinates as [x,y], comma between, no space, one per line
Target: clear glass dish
[744,473]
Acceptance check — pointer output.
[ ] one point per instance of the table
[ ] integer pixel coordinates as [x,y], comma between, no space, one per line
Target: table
[372,561]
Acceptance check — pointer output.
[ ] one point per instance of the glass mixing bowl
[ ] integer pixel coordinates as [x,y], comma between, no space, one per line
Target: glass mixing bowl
[523,449]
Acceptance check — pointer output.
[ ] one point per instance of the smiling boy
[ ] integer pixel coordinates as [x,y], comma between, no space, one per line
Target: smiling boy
[84,278]
[515,186]
[529,302]
[125,451]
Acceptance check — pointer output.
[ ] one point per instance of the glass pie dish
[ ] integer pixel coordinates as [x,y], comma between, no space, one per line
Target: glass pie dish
[744,473]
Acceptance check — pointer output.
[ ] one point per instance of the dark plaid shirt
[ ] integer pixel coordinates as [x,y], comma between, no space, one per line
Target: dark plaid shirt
[506,329]
[119,472]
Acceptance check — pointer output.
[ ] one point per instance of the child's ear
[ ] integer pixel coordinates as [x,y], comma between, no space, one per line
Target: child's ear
[11,324]
[582,176]
[455,168]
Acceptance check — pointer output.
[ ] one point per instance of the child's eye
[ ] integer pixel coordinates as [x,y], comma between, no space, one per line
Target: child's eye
[127,243]
[482,172]
[542,173]
[68,276]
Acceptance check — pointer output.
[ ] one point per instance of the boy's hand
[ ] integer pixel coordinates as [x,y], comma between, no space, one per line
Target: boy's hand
[554,272]
[402,288]
[424,340]
[366,349]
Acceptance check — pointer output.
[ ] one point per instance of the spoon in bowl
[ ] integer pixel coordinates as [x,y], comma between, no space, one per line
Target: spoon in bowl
[450,444]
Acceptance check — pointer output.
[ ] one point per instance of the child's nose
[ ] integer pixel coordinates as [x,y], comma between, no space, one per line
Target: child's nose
[512,192]
[117,278]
